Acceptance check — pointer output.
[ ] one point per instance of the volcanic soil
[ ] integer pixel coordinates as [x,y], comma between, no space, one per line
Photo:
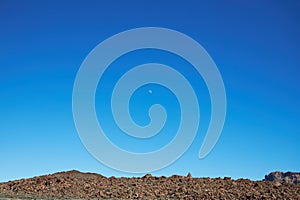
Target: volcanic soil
[78,185]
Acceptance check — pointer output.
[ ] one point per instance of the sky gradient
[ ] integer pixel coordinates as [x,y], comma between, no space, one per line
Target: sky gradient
[255,45]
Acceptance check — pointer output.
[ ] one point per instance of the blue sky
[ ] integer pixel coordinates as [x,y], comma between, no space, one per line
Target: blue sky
[255,45]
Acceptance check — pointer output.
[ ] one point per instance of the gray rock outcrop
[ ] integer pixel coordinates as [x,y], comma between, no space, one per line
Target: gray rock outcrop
[287,177]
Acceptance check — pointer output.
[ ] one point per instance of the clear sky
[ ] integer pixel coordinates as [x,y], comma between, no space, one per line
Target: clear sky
[255,45]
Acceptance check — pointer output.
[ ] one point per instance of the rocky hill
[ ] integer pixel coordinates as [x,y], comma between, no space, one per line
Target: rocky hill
[288,177]
[77,185]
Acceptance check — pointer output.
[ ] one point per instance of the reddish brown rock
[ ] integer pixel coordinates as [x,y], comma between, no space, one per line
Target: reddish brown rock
[74,184]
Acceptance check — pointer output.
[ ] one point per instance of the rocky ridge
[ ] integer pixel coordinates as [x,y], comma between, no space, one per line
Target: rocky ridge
[288,177]
[75,185]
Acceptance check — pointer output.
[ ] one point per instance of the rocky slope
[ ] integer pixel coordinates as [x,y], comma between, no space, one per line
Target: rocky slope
[74,184]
